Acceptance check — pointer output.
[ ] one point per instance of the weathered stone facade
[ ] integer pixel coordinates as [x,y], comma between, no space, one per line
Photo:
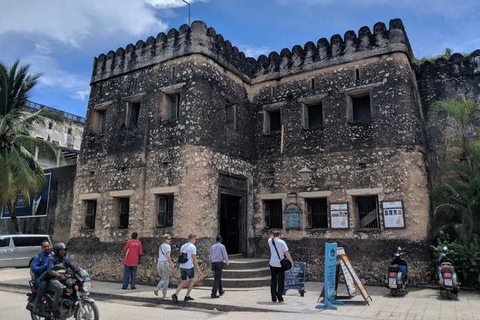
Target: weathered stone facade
[215,164]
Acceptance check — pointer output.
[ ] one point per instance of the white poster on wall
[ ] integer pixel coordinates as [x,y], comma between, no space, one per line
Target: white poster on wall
[339,215]
[393,216]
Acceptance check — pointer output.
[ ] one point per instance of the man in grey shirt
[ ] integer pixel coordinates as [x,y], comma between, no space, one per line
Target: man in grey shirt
[218,256]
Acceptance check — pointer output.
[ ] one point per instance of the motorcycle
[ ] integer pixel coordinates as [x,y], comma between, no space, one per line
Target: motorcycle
[447,277]
[396,278]
[75,301]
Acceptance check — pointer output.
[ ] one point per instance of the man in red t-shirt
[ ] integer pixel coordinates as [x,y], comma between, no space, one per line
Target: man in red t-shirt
[133,250]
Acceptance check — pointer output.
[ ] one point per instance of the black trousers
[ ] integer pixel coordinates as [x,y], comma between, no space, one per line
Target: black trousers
[217,283]
[277,284]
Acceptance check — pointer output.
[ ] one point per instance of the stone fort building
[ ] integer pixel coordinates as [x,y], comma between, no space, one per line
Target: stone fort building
[185,134]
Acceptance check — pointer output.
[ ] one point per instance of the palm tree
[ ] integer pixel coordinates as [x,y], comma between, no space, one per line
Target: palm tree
[457,197]
[461,116]
[20,174]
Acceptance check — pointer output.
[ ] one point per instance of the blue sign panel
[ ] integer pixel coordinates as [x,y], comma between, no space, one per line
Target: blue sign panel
[293,217]
[330,275]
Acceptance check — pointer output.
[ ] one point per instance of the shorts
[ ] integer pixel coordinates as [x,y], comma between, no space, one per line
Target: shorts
[187,273]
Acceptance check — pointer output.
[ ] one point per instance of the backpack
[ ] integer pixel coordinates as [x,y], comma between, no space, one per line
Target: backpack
[183,257]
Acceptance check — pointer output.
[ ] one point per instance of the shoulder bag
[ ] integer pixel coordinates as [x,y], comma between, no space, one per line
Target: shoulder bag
[285,263]
[183,257]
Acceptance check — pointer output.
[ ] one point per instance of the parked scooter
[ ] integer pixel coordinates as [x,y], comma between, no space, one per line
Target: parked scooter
[396,278]
[447,277]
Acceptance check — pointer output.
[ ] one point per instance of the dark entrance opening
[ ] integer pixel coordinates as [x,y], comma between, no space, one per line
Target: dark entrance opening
[230,207]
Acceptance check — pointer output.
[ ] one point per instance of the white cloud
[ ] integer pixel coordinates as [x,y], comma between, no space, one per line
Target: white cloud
[43,47]
[72,22]
[55,78]
[254,52]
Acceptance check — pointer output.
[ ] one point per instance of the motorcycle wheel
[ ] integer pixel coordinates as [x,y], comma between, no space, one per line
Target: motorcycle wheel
[35,317]
[450,295]
[88,311]
[393,292]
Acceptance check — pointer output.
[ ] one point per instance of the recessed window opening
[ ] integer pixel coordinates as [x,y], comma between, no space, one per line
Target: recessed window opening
[231,116]
[99,121]
[367,212]
[132,114]
[312,84]
[50,125]
[165,210]
[357,74]
[314,116]
[123,212]
[317,213]
[273,214]
[173,105]
[90,214]
[273,91]
[173,72]
[69,131]
[275,120]
[361,109]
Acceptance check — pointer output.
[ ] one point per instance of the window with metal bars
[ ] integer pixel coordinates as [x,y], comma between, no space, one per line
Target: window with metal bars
[123,212]
[165,211]
[273,214]
[91,213]
[174,106]
[367,212]
[317,213]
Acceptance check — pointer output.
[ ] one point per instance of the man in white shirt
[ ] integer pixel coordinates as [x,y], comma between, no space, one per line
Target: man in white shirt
[278,251]
[187,269]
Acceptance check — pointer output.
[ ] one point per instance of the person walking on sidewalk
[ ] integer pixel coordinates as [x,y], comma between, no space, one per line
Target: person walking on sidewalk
[164,265]
[187,268]
[133,249]
[218,256]
[278,251]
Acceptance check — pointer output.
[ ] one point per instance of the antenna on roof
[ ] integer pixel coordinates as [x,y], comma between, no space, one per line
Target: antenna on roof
[188,4]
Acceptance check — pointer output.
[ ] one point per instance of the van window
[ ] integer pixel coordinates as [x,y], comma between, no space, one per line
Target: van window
[21,241]
[37,241]
[4,242]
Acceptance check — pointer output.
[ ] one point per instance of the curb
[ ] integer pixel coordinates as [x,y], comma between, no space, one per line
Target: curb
[158,301]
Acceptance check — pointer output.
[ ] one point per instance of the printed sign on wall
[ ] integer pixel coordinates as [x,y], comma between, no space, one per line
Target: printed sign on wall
[393,216]
[339,215]
[38,205]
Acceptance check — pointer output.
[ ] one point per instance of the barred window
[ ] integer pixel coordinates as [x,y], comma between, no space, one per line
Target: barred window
[273,214]
[317,213]
[165,211]
[367,212]
[91,213]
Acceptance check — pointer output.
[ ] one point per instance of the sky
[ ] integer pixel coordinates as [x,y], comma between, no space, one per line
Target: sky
[60,38]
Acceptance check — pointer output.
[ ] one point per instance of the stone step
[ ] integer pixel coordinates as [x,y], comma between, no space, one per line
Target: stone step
[240,283]
[247,263]
[246,273]
[236,256]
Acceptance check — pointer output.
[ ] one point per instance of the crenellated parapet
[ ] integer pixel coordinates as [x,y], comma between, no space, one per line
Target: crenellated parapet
[456,64]
[198,39]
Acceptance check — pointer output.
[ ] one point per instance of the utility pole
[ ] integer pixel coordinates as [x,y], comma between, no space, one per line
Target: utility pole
[188,4]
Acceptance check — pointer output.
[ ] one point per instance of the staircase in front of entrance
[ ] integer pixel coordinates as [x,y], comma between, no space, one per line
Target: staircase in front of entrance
[244,273]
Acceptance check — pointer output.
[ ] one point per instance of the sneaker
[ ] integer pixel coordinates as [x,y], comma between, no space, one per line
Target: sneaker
[187,298]
[280,299]
[155,292]
[222,292]
[124,288]
[213,296]
[175,298]
[134,288]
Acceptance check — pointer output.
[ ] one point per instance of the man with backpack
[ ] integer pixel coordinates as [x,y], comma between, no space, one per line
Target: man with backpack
[188,263]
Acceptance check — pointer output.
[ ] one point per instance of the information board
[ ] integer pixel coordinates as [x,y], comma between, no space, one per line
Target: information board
[393,216]
[295,277]
[293,217]
[339,215]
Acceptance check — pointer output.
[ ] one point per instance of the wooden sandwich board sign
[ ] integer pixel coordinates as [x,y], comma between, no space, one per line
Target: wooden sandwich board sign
[351,279]
[343,258]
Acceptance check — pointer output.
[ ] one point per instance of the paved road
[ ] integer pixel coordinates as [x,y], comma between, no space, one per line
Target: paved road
[12,307]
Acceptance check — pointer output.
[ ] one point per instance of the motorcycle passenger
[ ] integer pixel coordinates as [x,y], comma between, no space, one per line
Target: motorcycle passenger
[39,266]
[402,265]
[58,263]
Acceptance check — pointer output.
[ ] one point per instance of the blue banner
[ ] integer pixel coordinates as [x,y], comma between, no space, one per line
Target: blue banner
[330,276]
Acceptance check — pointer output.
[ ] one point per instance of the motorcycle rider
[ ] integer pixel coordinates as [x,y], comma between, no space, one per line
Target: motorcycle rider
[39,266]
[58,263]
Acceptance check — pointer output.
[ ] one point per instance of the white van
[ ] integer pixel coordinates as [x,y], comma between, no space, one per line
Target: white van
[18,250]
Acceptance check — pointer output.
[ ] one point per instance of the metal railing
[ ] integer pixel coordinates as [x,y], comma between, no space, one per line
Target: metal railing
[66,115]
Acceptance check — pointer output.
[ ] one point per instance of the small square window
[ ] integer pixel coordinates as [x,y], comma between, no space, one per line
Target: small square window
[231,116]
[317,213]
[165,211]
[360,111]
[367,212]
[273,214]
[69,131]
[99,121]
[123,205]
[90,214]
[171,106]
[313,116]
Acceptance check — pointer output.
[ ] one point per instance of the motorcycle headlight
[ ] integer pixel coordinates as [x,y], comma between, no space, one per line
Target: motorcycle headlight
[87,285]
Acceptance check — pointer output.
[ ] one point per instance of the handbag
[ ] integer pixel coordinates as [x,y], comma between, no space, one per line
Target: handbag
[285,263]
[183,257]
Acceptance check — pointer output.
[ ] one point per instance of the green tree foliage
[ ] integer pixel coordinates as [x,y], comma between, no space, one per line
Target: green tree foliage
[19,171]
[466,257]
[445,55]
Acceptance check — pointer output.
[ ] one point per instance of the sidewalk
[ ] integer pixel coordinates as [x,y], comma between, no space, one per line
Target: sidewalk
[419,304]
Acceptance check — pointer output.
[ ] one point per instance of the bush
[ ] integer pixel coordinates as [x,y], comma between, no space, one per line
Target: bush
[465,256]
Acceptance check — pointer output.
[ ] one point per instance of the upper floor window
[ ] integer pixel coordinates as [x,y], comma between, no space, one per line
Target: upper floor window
[99,119]
[231,116]
[165,210]
[359,108]
[171,106]
[317,213]
[313,116]
[90,214]
[123,206]
[273,214]
[132,113]
[272,119]
[69,130]
[50,125]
